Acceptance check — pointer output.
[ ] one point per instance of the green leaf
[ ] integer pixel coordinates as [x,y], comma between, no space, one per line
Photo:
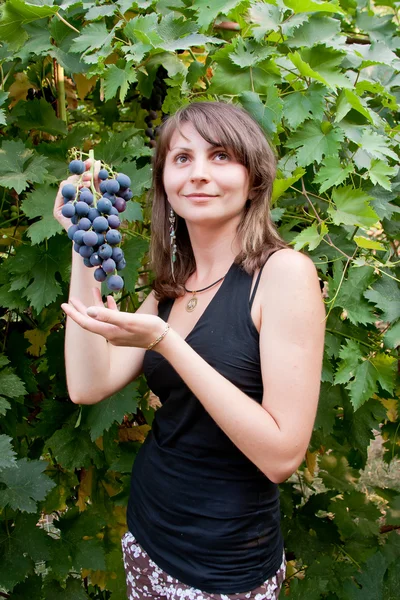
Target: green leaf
[376,145]
[267,115]
[20,166]
[248,54]
[25,485]
[300,106]
[73,448]
[133,212]
[313,142]
[7,454]
[115,78]
[4,406]
[72,590]
[180,34]
[281,185]
[299,6]
[348,100]
[14,14]
[310,236]
[386,371]
[317,30]
[350,295]
[392,336]
[102,415]
[140,178]
[92,37]
[134,249]
[265,18]
[370,580]
[379,172]
[336,473]
[39,203]
[351,207]
[364,384]
[364,242]
[208,10]
[351,357]
[332,173]
[10,384]
[38,114]
[96,12]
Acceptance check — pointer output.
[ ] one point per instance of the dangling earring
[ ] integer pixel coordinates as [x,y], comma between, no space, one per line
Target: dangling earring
[172,240]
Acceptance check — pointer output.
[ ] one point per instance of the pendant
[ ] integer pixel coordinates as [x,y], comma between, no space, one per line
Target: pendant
[192,303]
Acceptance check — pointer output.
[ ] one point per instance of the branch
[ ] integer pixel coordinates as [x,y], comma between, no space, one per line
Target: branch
[227,25]
[387,528]
[66,23]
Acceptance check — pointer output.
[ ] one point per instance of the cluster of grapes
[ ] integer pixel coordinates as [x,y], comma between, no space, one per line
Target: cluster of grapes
[95,222]
[154,103]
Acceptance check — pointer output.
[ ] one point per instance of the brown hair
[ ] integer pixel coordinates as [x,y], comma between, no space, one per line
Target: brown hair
[232,128]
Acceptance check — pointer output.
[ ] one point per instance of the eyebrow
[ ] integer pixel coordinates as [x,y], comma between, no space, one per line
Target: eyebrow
[191,149]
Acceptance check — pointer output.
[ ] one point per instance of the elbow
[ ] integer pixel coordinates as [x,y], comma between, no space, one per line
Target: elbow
[282,471]
[83,399]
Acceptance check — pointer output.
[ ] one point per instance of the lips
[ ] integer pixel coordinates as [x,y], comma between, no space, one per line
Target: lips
[199,195]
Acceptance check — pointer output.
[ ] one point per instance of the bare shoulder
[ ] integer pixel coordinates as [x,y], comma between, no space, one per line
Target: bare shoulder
[149,306]
[290,263]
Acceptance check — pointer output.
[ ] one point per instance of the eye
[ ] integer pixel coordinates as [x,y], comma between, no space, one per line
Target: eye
[181,159]
[222,156]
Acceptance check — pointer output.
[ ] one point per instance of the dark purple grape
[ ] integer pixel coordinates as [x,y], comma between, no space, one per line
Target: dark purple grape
[113,211]
[113,237]
[113,222]
[71,231]
[149,133]
[127,195]
[104,205]
[95,260]
[117,254]
[86,251]
[74,219]
[110,197]
[86,196]
[123,180]
[84,224]
[66,200]
[77,167]
[90,238]
[115,283]
[78,237]
[102,187]
[101,238]
[100,224]
[82,209]
[108,265]
[100,275]
[103,174]
[112,186]
[93,214]
[68,210]
[87,263]
[120,205]
[105,251]
[69,191]
[76,247]
[121,264]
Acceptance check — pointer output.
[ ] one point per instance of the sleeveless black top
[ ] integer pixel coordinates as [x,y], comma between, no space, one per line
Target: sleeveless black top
[202,510]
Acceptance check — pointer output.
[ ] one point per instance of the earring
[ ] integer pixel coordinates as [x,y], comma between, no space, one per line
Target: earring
[172,240]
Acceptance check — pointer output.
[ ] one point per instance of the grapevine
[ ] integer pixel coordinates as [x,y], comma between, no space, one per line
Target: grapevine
[95,219]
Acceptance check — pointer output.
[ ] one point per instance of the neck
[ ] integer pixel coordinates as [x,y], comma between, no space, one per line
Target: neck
[214,251]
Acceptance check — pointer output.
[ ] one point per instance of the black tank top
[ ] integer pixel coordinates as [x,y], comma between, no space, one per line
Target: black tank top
[202,510]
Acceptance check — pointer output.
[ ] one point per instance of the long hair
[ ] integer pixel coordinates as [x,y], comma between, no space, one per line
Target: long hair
[232,128]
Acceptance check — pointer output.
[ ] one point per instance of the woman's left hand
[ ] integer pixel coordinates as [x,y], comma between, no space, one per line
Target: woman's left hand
[119,328]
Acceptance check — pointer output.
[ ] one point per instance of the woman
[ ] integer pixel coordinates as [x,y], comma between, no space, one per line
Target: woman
[231,340]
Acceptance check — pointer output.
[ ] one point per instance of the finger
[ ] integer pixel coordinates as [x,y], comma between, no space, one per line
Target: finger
[98,300]
[87,322]
[111,303]
[114,317]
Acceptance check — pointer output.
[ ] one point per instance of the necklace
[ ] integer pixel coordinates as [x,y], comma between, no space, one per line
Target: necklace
[192,303]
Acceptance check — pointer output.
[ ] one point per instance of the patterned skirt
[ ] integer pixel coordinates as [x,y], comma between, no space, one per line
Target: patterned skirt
[144,579]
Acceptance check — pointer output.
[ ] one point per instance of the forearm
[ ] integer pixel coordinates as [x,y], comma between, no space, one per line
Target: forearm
[87,355]
[250,427]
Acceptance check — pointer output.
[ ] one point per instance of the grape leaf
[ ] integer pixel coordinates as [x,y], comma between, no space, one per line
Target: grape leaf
[7,454]
[265,18]
[267,114]
[4,360]
[376,145]
[10,384]
[134,249]
[312,142]
[392,336]
[351,207]
[364,385]
[92,37]
[31,587]
[351,357]
[299,6]
[300,106]
[208,10]
[364,242]
[140,178]
[4,405]
[370,580]
[379,172]
[26,484]
[14,567]
[73,448]
[318,29]
[27,538]
[178,34]
[73,590]
[38,114]
[248,54]
[310,236]
[39,203]
[115,78]
[385,295]
[99,417]
[332,173]
[16,13]
[281,185]
[386,371]
[350,295]
[96,12]
[20,166]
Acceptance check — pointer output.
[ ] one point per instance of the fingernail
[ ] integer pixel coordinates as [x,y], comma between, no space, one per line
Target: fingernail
[92,312]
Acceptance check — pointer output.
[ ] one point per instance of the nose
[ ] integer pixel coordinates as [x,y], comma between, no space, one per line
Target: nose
[200,170]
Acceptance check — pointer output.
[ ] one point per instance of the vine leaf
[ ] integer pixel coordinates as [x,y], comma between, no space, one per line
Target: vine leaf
[73,448]
[265,18]
[102,415]
[7,454]
[300,106]
[92,37]
[350,295]
[38,114]
[10,384]
[134,249]
[379,172]
[115,78]
[317,30]
[20,166]
[332,173]
[15,14]
[310,236]
[313,141]
[4,406]
[39,203]
[26,484]
[268,115]
[351,207]
[208,10]
[300,6]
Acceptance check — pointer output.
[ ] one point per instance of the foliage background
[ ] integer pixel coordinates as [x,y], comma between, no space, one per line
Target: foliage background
[322,79]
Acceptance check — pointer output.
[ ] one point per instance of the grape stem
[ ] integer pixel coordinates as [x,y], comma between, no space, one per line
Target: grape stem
[94,192]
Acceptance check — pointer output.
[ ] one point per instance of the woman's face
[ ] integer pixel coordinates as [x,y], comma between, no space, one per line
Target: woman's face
[204,184]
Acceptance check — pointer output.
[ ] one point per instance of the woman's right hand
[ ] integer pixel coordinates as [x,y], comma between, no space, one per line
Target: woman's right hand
[85,181]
